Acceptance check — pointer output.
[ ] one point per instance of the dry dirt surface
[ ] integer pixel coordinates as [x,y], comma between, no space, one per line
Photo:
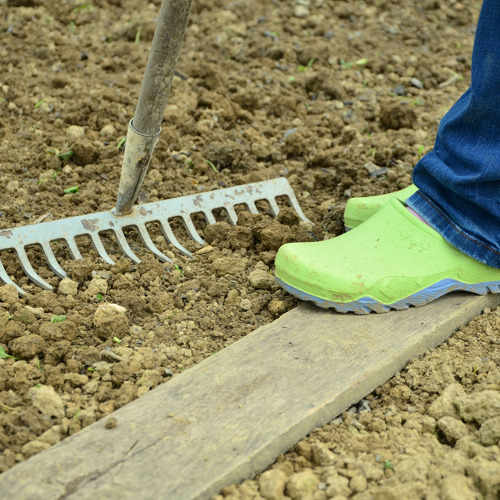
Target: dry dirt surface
[342,98]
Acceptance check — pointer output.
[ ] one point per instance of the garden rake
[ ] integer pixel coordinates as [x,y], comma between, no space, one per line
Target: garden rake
[142,136]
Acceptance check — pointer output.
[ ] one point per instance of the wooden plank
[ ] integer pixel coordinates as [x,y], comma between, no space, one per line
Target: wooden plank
[230,416]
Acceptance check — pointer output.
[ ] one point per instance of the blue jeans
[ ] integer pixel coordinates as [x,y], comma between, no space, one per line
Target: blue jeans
[459,180]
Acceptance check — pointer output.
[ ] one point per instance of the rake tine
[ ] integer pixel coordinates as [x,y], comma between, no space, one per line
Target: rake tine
[251,207]
[51,259]
[30,272]
[73,249]
[274,207]
[233,218]
[125,247]
[210,217]
[96,241]
[148,243]
[6,279]
[170,237]
[188,223]
[296,207]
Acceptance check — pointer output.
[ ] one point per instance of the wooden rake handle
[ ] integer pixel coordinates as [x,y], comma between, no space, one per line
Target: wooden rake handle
[144,128]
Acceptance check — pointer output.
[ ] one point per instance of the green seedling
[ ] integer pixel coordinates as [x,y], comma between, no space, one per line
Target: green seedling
[84,6]
[73,189]
[138,35]
[307,67]
[361,62]
[4,355]
[39,368]
[99,297]
[117,340]
[420,151]
[121,142]
[345,64]
[72,26]
[57,318]
[291,78]
[90,369]
[39,103]
[387,465]
[179,269]
[76,414]
[65,156]
[212,166]
[37,386]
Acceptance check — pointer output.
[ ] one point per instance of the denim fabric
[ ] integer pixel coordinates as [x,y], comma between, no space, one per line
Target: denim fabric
[459,180]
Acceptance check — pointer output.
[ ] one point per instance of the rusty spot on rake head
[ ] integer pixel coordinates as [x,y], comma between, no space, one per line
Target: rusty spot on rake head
[198,201]
[6,233]
[90,224]
[143,211]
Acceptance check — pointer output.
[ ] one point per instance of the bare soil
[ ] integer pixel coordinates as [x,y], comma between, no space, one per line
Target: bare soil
[342,98]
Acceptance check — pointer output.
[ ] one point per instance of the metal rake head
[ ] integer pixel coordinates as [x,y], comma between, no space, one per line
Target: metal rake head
[92,225]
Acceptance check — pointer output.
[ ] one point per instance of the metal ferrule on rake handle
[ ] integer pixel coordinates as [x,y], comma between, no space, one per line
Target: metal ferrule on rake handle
[144,128]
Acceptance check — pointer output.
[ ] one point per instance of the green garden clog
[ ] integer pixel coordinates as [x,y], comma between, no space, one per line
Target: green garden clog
[358,210]
[392,261]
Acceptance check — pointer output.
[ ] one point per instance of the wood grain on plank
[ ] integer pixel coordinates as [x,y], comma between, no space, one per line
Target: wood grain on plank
[230,416]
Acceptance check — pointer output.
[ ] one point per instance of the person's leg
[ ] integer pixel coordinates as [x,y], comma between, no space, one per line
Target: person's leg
[459,180]
[395,260]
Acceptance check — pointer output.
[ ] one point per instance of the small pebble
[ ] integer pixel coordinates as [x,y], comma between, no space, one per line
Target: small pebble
[111,423]
[416,83]
[399,90]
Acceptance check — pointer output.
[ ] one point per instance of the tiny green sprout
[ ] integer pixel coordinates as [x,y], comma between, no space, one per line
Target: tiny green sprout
[39,368]
[1,100]
[420,150]
[387,465]
[48,19]
[66,155]
[99,297]
[345,64]
[190,163]
[83,7]
[39,103]
[4,355]
[76,414]
[291,78]
[361,62]
[212,166]
[121,142]
[179,269]
[72,26]
[138,35]
[275,34]
[475,370]
[37,386]
[117,340]
[73,189]
[58,318]
[308,66]
[90,369]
